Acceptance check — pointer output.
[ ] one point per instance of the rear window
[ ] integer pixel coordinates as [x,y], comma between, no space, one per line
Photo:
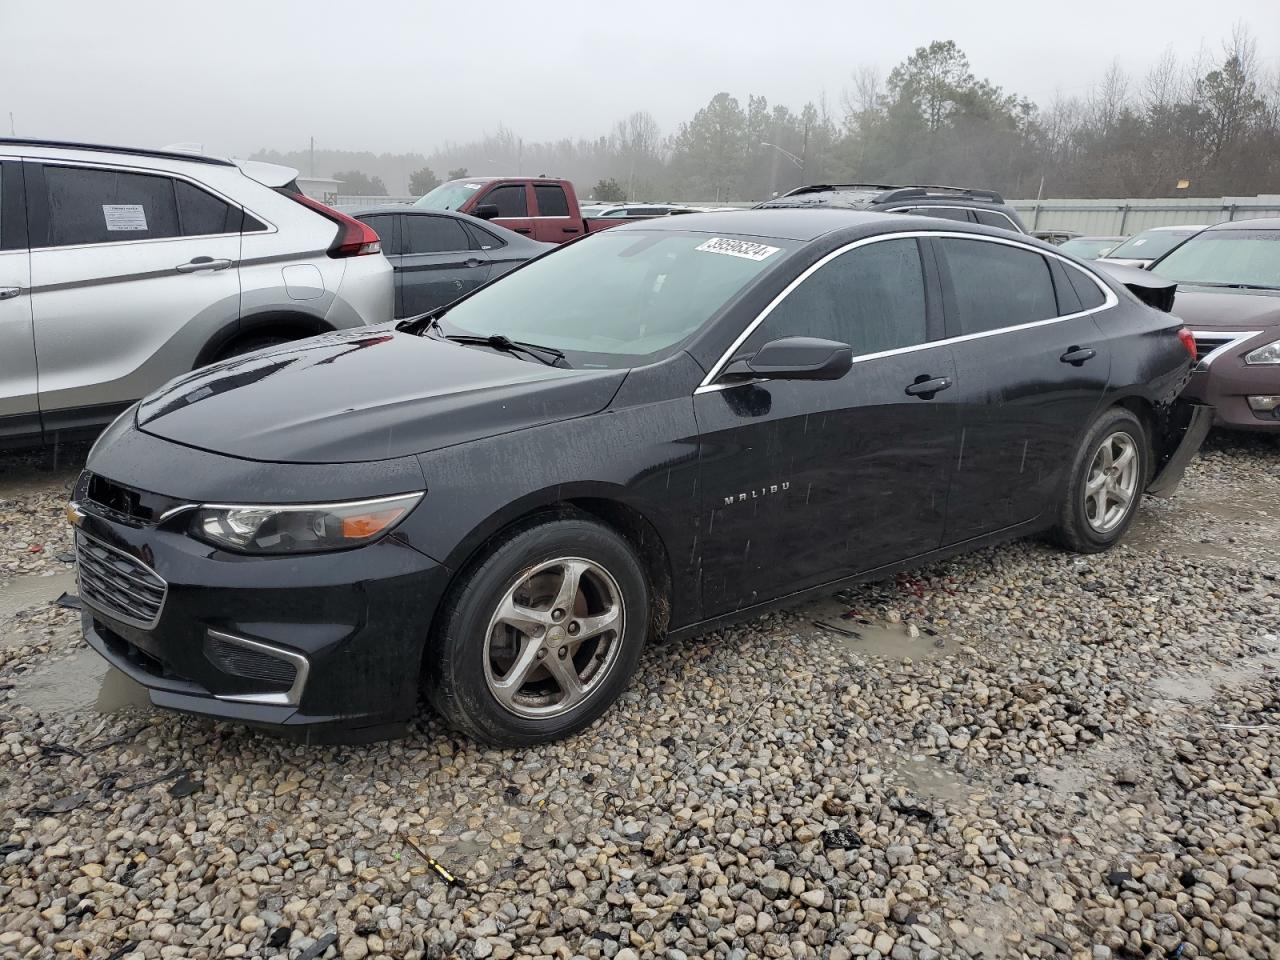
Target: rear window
[551,200]
[997,285]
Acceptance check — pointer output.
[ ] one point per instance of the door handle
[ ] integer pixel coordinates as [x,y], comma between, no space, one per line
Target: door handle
[523,229]
[925,386]
[198,264]
[569,229]
[8,293]
[1076,356]
[473,262]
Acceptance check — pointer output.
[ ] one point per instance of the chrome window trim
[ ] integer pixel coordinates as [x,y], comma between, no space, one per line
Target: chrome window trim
[709,385]
[286,698]
[1234,339]
[944,206]
[153,172]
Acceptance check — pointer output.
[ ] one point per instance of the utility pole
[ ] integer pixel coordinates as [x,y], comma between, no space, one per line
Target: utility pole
[313,156]
[11,132]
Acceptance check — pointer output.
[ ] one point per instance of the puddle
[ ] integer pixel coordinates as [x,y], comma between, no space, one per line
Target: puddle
[927,778]
[20,593]
[82,681]
[1200,686]
[875,638]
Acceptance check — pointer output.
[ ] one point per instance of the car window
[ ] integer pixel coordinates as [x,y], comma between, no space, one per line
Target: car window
[510,200]
[1250,258]
[1091,296]
[384,225]
[871,297]
[1068,299]
[1149,244]
[993,218]
[482,239]
[996,285]
[107,206]
[424,234]
[942,213]
[551,200]
[200,213]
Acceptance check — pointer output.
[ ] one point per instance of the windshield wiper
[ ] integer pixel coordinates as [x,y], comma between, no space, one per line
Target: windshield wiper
[548,355]
[1231,286]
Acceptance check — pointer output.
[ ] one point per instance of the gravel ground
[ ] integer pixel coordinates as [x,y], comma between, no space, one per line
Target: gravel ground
[1020,753]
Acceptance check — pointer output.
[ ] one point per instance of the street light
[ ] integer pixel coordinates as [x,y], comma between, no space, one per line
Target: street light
[786,153]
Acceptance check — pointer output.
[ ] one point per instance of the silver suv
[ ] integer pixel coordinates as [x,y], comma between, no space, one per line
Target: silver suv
[121,269]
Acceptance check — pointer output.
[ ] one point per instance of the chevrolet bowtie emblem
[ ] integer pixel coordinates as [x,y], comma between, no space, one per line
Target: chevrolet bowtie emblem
[74,514]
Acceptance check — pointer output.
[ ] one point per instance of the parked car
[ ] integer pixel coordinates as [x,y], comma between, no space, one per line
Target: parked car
[439,255]
[1228,280]
[1056,237]
[505,499]
[122,268]
[541,208]
[1143,249]
[613,211]
[948,203]
[1089,248]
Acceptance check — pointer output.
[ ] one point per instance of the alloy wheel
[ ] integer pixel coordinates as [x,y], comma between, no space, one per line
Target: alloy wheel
[1112,482]
[554,637]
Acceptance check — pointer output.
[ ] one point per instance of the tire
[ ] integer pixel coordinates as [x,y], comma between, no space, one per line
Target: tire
[1089,520]
[238,348]
[474,650]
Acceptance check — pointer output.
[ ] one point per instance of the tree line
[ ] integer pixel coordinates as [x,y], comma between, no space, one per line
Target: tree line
[1207,126]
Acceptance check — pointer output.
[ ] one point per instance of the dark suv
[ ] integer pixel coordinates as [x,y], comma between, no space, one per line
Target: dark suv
[949,203]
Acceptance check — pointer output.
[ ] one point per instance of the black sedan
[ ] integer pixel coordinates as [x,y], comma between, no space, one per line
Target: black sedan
[663,427]
[438,255]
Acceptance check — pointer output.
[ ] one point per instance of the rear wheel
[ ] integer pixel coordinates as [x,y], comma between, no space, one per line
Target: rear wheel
[1108,476]
[537,640]
[249,344]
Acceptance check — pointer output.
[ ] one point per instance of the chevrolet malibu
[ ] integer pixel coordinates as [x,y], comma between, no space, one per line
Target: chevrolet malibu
[655,430]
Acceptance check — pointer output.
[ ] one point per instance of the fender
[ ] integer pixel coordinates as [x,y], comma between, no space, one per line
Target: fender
[263,322]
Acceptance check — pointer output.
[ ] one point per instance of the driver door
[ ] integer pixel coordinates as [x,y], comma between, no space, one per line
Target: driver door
[805,482]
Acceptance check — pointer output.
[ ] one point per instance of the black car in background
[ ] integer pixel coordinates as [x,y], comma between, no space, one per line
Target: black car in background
[947,203]
[438,255]
[663,427]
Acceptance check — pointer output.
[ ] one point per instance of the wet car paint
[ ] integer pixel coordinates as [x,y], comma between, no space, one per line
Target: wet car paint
[734,498]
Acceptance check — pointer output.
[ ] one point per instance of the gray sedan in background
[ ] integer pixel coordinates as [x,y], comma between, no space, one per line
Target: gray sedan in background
[439,255]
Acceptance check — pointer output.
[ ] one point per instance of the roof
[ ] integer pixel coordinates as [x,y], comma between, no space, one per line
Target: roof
[1260,223]
[790,223]
[106,148]
[867,193]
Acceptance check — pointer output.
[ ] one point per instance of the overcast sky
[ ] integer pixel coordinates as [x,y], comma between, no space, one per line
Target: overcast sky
[401,76]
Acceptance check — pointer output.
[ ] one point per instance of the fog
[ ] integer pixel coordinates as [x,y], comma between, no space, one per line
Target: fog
[398,77]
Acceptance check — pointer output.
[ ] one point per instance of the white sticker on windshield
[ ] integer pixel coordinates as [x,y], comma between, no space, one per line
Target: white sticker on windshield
[738,248]
[473,186]
[124,216]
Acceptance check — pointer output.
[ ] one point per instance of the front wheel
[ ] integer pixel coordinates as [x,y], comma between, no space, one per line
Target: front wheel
[1108,476]
[537,640]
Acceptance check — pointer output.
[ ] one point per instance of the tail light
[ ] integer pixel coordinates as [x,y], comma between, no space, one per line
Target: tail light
[354,239]
[1188,341]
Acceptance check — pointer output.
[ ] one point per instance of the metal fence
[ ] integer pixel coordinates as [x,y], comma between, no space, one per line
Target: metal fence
[1123,217]
[343,200]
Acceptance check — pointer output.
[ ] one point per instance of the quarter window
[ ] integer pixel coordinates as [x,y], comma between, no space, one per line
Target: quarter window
[107,206]
[871,297]
[510,200]
[551,200]
[427,234]
[482,239]
[384,225]
[994,219]
[201,213]
[1086,289]
[997,285]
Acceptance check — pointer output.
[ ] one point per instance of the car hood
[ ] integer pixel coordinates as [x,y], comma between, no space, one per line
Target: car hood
[1227,309]
[369,394]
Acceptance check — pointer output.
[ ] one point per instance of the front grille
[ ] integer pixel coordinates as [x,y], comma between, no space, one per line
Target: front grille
[242,661]
[118,584]
[1206,343]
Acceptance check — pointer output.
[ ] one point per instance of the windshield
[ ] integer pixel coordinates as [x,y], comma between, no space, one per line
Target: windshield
[1250,257]
[449,196]
[1150,244]
[620,297]
[1088,249]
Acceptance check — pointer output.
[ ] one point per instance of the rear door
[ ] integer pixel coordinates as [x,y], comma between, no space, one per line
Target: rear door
[131,272]
[514,207]
[436,264]
[554,223]
[1032,368]
[388,228]
[808,481]
[19,408]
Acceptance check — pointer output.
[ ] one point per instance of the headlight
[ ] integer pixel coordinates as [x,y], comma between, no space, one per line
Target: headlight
[306,528]
[1267,353]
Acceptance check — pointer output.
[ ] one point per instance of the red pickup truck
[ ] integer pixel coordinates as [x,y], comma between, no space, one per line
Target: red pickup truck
[538,207]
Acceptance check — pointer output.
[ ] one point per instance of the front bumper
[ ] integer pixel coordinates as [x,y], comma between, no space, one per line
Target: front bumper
[322,647]
[1226,382]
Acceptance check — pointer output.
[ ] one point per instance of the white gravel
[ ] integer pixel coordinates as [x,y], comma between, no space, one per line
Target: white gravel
[1023,753]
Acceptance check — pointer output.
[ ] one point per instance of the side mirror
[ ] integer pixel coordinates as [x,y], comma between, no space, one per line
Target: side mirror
[485,211]
[794,358]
